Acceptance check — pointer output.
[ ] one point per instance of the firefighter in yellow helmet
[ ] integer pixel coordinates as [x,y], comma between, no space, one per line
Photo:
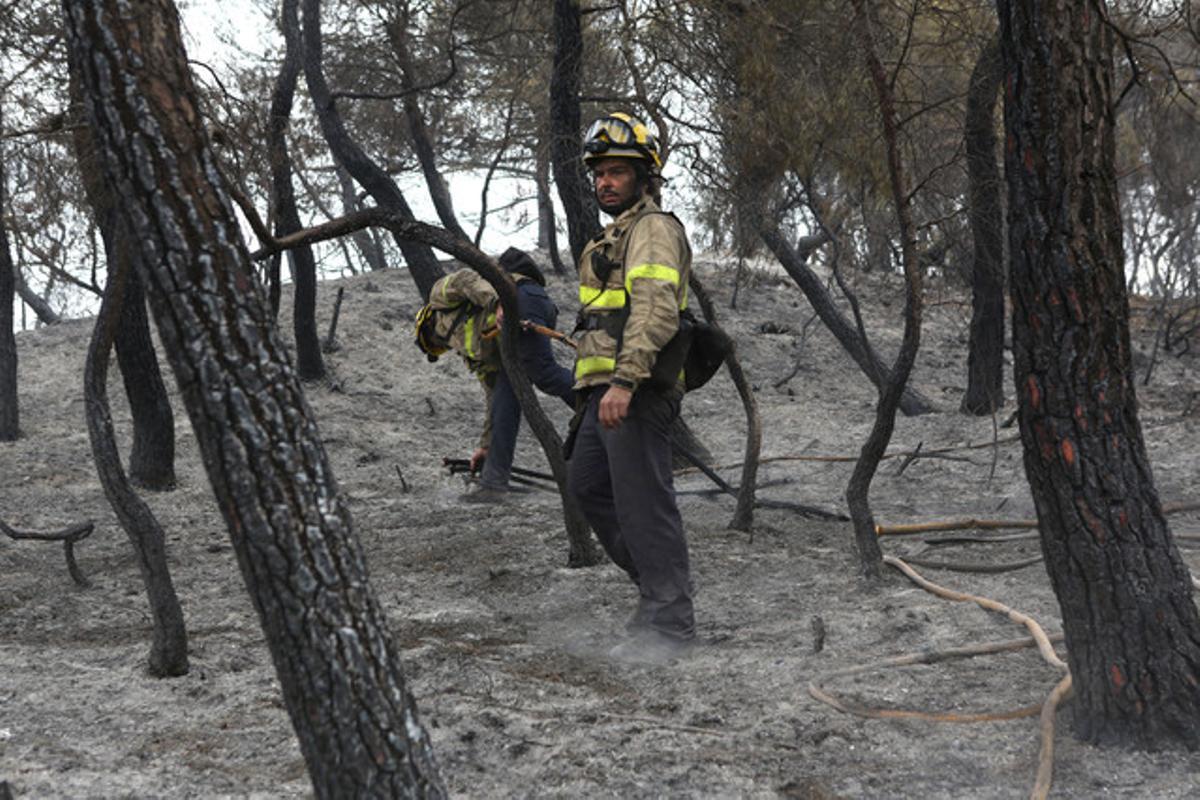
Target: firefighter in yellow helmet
[633,281]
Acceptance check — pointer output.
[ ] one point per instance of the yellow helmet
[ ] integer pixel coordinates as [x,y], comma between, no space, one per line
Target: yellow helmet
[621,135]
[425,336]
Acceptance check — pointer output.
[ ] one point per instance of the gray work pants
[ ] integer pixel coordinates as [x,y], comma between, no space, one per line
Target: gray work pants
[622,481]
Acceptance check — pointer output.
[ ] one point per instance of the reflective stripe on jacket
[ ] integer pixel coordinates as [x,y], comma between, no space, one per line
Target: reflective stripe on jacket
[465,305]
[651,262]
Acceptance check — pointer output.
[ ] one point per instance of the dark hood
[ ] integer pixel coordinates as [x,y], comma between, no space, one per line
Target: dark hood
[518,262]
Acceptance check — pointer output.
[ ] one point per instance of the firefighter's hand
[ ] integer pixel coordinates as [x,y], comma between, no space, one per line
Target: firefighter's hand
[477,459]
[614,406]
[499,316]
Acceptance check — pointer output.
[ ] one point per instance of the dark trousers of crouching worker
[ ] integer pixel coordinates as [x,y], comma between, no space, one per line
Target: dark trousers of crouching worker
[622,481]
[543,372]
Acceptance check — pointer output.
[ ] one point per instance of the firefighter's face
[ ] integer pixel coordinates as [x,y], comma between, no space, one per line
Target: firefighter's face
[616,184]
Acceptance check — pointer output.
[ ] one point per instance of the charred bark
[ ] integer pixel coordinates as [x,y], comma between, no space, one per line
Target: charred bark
[912,402]
[1131,626]
[10,417]
[41,309]
[152,456]
[547,224]
[168,650]
[892,388]
[985,355]
[290,528]
[422,263]
[574,191]
[309,363]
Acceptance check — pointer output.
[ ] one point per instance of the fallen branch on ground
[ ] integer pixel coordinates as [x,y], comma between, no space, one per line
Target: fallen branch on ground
[939,451]
[982,568]
[759,502]
[68,536]
[992,524]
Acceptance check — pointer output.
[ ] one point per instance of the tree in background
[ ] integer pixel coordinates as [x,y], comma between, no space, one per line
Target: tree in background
[305,570]
[10,417]
[309,363]
[1131,625]
[566,120]
[985,349]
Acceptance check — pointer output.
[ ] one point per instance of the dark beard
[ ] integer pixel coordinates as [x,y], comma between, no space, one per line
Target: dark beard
[617,209]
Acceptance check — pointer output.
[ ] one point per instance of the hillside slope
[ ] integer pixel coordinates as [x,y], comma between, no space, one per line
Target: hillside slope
[503,645]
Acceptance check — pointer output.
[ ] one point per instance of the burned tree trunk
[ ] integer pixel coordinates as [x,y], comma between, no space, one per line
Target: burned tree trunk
[422,263]
[152,455]
[309,363]
[547,228]
[1131,626]
[41,309]
[418,131]
[579,203]
[168,651]
[985,356]
[290,528]
[10,417]
[912,402]
[891,389]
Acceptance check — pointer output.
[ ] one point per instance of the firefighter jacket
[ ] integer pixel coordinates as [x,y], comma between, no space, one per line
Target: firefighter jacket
[636,271]
[464,304]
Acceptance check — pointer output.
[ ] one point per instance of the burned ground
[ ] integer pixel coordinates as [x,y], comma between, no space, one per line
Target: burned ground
[504,646]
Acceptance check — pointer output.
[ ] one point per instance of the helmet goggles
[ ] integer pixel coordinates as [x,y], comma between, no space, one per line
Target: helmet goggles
[620,136]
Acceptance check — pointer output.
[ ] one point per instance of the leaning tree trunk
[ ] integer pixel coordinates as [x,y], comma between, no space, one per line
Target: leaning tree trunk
[418,131]
[291,529]
[578,200]
[1131,626]
[41,309]
[309,363]
[168,650]
[152,455]
[985,353]
[892,389]
[422,263]
[912,402]
[10,420]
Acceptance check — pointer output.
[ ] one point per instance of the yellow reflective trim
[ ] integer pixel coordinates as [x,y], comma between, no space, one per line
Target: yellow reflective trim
[593,364]
[469,338]
[659,272]
[601,298]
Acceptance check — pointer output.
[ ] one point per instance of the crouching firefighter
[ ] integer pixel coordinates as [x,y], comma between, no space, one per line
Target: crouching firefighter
[461,315]
[633,280]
